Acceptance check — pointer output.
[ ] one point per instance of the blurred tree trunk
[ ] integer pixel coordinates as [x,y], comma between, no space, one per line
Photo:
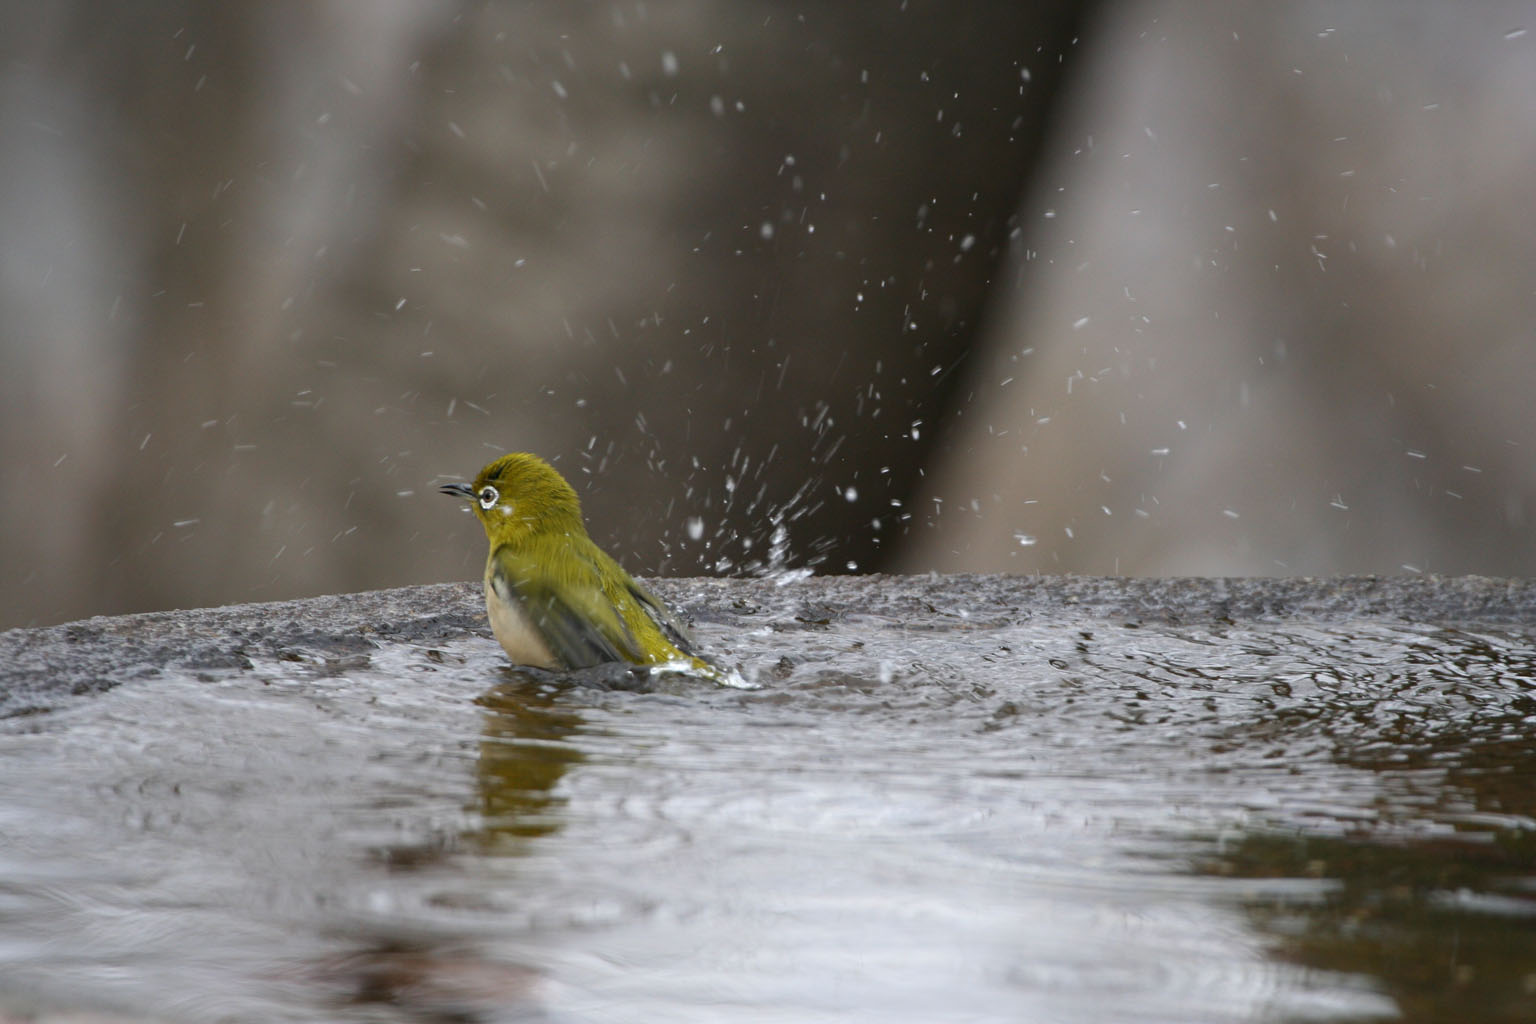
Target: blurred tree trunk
[278,268]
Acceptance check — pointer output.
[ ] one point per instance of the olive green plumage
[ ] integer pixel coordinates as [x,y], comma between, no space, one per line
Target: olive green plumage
[553,597]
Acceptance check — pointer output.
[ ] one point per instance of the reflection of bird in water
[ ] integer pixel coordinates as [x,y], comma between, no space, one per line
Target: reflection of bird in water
[425,974]
[424,982]
[522,757]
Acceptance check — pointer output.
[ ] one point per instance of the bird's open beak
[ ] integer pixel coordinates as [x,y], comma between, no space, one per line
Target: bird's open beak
[458,491]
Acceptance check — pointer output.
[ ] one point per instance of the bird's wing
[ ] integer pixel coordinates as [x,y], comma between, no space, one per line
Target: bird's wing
[666,620]
[569,609]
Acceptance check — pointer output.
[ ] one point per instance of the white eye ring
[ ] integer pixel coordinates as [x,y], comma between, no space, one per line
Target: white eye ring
[488,497]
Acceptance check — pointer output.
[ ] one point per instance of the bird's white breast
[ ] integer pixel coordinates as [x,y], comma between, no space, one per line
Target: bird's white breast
[515,632]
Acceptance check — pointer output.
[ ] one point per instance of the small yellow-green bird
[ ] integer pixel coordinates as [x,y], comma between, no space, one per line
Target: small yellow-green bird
[555,600]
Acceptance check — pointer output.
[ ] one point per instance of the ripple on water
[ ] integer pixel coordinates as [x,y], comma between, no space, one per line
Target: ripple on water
[995,822]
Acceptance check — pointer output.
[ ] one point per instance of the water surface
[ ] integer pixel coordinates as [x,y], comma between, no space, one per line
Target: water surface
[1065,819]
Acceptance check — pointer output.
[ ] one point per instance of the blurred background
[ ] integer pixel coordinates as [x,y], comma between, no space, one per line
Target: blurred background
[1114,287]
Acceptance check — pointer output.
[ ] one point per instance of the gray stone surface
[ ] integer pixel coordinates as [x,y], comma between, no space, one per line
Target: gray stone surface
[40,667]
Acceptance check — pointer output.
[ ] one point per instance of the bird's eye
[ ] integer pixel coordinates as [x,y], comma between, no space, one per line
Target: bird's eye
[489,496]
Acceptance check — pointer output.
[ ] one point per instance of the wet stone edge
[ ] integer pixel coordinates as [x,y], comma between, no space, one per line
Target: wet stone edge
[40,667]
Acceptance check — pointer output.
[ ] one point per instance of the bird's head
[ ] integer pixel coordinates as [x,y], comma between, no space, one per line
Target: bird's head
[517,496]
